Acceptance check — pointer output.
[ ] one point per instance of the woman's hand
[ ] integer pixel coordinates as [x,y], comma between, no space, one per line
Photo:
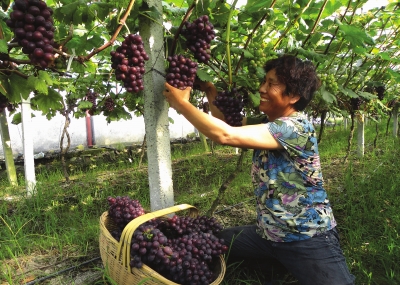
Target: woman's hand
[176,97]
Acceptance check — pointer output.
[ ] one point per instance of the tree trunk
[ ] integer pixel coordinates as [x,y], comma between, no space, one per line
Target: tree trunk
[8,155]
[350,138]
[63,150]
[321,130]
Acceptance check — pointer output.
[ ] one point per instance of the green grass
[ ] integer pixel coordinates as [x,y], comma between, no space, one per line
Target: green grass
[62,219]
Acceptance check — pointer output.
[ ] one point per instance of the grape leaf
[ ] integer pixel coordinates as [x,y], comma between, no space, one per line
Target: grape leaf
[327,96]
[204,76]
[246,53]
[45,103]
[367,95]
[43,75]
[3,46]
[348,92]
[255,99]
[356,36]
[36,84]
[85,104]
[17,119]
[19,89]
[5,4]
[4,85]
[255,5]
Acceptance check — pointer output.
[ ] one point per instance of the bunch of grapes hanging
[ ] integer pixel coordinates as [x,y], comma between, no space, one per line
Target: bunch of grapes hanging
[230,103]
[128,62]
[380,90]
[356,103]
[199,35]
[33,29]
[256,63]
[5,104]
[91,97]
[181,71]
[329,81]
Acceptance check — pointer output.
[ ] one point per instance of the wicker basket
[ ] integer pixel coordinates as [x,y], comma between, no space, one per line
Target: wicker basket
[116,255]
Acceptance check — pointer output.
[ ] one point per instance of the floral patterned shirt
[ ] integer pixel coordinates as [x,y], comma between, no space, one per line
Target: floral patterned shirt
[292,203]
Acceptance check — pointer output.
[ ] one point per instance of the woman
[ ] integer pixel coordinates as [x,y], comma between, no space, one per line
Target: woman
[295,225]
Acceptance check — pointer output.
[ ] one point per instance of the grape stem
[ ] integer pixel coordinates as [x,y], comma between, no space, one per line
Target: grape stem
[251,35]
[113,38]
[187,15]
[228,47]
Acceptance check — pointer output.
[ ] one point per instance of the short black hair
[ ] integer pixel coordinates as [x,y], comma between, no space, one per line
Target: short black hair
[299,76]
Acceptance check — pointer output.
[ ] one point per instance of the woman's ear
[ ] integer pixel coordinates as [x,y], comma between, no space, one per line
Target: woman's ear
[294,98]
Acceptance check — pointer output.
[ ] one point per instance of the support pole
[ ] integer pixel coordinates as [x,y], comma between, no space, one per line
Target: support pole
[27,135]
[156,112]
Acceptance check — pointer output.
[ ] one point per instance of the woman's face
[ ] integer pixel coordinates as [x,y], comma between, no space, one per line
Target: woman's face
[273,102]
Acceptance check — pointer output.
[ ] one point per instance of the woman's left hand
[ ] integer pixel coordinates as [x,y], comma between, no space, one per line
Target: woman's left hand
[175,97]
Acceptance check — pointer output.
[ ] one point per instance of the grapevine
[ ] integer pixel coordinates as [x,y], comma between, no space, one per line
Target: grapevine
[33,29]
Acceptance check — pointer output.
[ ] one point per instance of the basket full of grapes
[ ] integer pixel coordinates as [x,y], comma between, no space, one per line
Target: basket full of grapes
[160,247]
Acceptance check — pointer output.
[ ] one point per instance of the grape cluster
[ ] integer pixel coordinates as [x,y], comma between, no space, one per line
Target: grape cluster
[356,103]
[91,97]
[128,61]
[182,249]
[177,226]
[181,71]
[258,61]
[109,104]
[230,103]
[199,35]
[122,210]
[33,29]
[5,104]
[330,83]
[380,90]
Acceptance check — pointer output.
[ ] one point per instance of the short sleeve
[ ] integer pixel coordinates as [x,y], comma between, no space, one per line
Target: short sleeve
[289,134]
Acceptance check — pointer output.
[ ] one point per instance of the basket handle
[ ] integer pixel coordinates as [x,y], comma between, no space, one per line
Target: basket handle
[124,245]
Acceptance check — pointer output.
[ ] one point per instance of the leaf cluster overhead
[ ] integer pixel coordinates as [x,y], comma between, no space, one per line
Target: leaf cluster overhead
[358,46]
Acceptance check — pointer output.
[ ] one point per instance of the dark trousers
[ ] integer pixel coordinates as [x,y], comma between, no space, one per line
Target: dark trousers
[314,261]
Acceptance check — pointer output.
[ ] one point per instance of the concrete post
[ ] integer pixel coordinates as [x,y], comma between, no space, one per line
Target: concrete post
[156,113]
